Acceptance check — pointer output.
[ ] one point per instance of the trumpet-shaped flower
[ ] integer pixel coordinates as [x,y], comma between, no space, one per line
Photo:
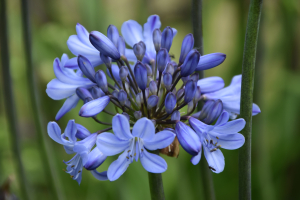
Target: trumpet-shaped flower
[134,145]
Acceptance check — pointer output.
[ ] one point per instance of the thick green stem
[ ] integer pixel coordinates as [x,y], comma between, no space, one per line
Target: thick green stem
[247,97]
[156,186]
[46,155]
[9,103]
[206,174]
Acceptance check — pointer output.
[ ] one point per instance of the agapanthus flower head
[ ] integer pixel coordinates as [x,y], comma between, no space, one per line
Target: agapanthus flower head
[149,90]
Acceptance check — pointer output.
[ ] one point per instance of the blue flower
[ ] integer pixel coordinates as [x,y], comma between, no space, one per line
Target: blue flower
[223,134]
[84,156]
[134,145]
[231,97]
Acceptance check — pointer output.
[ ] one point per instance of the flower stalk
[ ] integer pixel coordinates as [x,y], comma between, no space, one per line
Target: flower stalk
[247,97]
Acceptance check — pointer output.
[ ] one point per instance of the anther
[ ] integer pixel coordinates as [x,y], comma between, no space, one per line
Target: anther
[127,157]
[142,149]
[134,154]
[217,137]
[72,176]
[212,168]
[79,171]
[207,140]
[128,151]
[214,149]
[72,166]
[131,156]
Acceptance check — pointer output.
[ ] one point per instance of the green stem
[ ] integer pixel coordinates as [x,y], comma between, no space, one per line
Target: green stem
[156,186]
[206,174]
[247,97]
[9,103]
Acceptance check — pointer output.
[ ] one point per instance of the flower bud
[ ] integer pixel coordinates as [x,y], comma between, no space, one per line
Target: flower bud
[170,68]
[214,112]
[106,60]
[122,96]
[175,116]
[97,92]
[86,67]
[149,70]
[139,99]
[179,93]
[190,107]
[139,50]
[137,114]
[153,87]
[123,73]
[113,34]
[82,132]
[186,47]
[157,39]
[127,103]
[83,93]
[162,59]
[94,159]
[126,115]
[167,38]
[101,80]
[210,60]
[185,79]
[115,94]
[197,96]
[190,63]
[152,101]
[189,91]
[104,45]
[170,102]
[194,77]
[206,108]
[140,73]
[121,46]
[167,78]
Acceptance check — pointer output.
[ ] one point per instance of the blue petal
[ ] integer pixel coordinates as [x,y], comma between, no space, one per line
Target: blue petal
[152,23]
[101,176]
[110,145]
[196,159]
[228,141]
[198,126]
[84,147]
[73,64]
[231,127]
[77,47]
[54,132]
[94,159]
[116,71]
[210,60]
[118,167]
[255,109]
[214,159]
[143,128]
[71,130]
[153,163]
[82,132]
[160,140]
[94,107]
[74,168]
[69,104]
[187,138]
[210,84]
[224,117]
[83,34]
[132,32]
[121,127]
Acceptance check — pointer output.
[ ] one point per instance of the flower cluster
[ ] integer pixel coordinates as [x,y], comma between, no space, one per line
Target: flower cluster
[148,93]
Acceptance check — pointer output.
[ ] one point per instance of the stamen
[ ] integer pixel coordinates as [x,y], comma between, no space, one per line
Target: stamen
[79,171]
[134,154]
[212,168]
[214,149]
[72,176]
[127,157]
[142,149]
[211,142]
[217,137]
[128,151]
[130,156]
[72,166]
[207,140]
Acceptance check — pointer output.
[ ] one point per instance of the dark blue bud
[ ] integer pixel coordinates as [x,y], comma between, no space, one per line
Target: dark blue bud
[175,116]
[194,77]
[149,70]
[123,73]
[127,103]
[82,132]
[139,50]
[86,67]
[113,34]
[147,93]
[157,39]
[152,101]
[210,60]
[122,96]
[205,109]
[179,93]
[97,92]
[137,114]
[115,93]
[121,46]
[162,59]
[153,87]
[214,112]
[104,45]
[83,93]
[186,47]
[190,63]
[106,60]
[170,102]
[170,68]
[140,73]
[101,80]
[197,96]
[167,38]
[185,79]
[126,115]
[189,91]
[167,78]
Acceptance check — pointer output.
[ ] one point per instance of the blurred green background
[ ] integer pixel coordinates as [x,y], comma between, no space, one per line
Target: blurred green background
[275,147]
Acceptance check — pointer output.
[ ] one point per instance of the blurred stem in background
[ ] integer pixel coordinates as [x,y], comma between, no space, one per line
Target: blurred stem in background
[10,103]
[46,157]
[209,193]
[156,185]
[247,97]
